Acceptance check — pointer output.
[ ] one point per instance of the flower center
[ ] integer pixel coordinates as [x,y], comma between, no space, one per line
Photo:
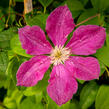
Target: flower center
[59,55]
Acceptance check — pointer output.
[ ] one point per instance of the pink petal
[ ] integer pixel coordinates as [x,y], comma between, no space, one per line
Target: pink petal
[83,68]
[30,72]
[59,24]
[62,85]
[34,41]
[87,39]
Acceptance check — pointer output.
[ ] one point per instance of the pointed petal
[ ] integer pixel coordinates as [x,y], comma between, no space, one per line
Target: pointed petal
[87,39]
[30,72]
[83,68]
[62,85]
[34,41]
[59,24]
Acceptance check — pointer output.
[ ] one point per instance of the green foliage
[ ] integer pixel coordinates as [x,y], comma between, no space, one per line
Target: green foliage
[103,55]
[84,2]
[9,103]
[86,14]
[107,40]
[81,81]
[17,48]
[88,94]
[100,5]
[12,69]
[5,37]
[74,105]
[102,68]
[45,3]
[102,98]
[3,62]
[13,101]
[39,20]
[73,4]
[2,22]
[29,104]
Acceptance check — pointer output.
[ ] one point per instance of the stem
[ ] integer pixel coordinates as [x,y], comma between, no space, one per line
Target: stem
[17,57]
[107,71]
[11,13]
[28,7]
[97,15]
[20,21]
[44,9]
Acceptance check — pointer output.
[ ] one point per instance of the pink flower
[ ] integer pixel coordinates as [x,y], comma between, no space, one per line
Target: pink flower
[85,41]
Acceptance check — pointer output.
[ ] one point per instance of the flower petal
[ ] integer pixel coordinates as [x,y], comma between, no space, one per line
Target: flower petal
[34,41]
[62,85]
[83,68]
[30,72]
[59,24]
[87,39]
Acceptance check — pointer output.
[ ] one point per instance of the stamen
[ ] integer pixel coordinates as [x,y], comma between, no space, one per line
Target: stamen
[59,55]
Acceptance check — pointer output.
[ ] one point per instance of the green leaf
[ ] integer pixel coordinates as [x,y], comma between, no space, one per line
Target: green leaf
[38,97]
[28,104]
[100,5]
[103,55]
[31,91]
[17,48]
[74,5]
[10,103]
[1,107]
[5,37]
[102,68]
[86,14]
[39,20]
[75,14]
[88,94]
[64,106]
[3,61]
[17,96]
[3,79]
[102,98]
[81,81]
[107,39]
[12,69]
[74,104]
[11,87]
[45,3]
[2,23]
[84,2]
[11,54]
[12,17]
[4,44]
[7,34]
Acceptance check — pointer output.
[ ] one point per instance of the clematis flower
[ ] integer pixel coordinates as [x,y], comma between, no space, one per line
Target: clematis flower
[86,40]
